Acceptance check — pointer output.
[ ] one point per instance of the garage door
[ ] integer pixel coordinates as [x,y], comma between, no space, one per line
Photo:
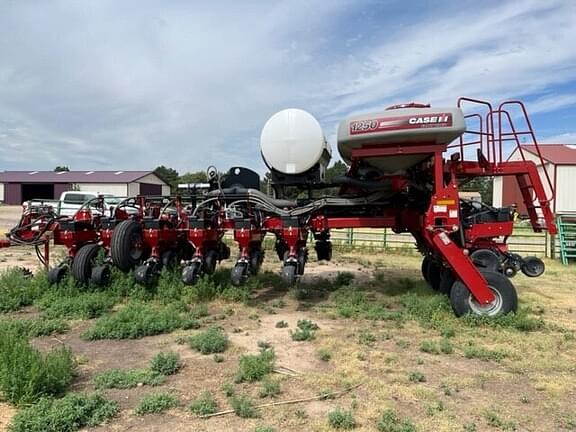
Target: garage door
[149,189]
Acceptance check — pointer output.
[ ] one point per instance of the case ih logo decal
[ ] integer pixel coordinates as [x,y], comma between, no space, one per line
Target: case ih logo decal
[400,123]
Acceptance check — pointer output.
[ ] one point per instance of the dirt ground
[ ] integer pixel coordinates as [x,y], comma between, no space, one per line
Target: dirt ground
[533,388]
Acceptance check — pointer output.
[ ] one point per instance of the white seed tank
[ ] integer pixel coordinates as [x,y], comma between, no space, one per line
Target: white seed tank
[398,128]
[292,142]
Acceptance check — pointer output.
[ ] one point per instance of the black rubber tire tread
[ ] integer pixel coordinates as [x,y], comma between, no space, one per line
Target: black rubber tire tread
[238,274]
[210,261]
[424,268]
[460,294]
[434,275]
[191,274]
[120,244]
[84,262]
[485,259]
[289,274]
[101,275]
[447,279]
[56,274]
[528,269]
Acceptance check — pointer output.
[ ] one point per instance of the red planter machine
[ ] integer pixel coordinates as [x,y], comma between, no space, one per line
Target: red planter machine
[406,167]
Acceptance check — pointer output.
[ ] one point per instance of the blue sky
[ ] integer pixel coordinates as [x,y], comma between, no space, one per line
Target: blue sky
[132,84]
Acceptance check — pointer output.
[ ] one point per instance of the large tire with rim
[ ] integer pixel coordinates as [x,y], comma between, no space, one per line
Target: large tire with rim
[505,297]
[84,261]
[126,246]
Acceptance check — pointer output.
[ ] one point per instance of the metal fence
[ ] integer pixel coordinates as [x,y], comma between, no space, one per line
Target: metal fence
[524,241]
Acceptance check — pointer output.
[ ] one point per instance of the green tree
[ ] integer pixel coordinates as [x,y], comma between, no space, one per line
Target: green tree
[169,175]
[337,170]
[483,185]
[61,168]
[193,177]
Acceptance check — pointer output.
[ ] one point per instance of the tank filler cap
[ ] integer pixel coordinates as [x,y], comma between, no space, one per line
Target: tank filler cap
[408,105]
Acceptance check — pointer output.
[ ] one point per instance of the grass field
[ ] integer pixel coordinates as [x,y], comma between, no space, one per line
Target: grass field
[363,335]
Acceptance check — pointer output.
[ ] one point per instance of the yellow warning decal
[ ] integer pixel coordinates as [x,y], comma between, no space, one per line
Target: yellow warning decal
[446,202]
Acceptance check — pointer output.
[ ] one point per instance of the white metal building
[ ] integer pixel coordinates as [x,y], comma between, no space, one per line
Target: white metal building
[19,186]
[559,163]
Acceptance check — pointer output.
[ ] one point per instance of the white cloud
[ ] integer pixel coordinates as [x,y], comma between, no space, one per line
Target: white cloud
[135,84]
[565,138]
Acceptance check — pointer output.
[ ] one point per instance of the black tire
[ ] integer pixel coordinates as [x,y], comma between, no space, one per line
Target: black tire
[323,250]
[57,274]
[191,273]
[238,274]
[210,261]
[302,259]
[434,276]
[486,260]
[506,300]
[126,245]
[424,268]
[256,259]
[84,261]
[289,274]
[101,275]
[447,279]
[146,274]
[533,266]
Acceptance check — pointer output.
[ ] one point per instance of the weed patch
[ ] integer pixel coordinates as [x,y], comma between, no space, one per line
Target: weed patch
[166,363]
[135,321]
[127,378]
[26,375]
[244,407]
[156,403]
[211,341]
[305,331]
[472,351]
[16,290]
[253,368]
[341,419]
[83,305]
[72,412]
[391,422]
[269,389]
[204,404]
[36,327]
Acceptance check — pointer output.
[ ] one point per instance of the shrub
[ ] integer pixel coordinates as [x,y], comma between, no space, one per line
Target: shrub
[166,363]
[305,331]
[390,422]
[211,341]
[264,429]
[126,378]
[72,412]
[156,403]
[135,321]
[417,377]
[429,347]
[205,404]
[269,389]
[341,419]
[229,389]
[324,355]
[343,279]
[254,367]
[244,407]
[281,324]
[16,290]
[446,346]
[26,375]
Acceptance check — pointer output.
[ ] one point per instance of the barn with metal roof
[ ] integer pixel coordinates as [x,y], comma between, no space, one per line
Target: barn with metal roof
[558,170]
[19,186]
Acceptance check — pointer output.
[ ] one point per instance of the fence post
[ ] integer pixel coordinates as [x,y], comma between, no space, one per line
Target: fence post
[385,234]
[350,237]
